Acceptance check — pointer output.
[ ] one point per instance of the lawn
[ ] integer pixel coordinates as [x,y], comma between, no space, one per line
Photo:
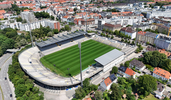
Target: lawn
[150,97]
[69,58]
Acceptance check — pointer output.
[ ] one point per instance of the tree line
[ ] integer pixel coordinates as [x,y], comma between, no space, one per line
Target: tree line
[24,87]
[10,39]
[156,59]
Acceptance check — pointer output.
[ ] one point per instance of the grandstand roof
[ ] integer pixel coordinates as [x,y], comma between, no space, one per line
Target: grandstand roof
[109,57]
[59,39]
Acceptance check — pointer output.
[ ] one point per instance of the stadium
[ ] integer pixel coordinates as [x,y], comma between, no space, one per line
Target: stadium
[55,62]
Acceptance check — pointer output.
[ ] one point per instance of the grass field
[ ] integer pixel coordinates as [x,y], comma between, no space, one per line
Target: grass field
[69,57]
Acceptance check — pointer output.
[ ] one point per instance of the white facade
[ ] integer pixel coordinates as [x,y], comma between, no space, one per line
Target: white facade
[126,75]
[132,35]
[113,63]
[103,85]
[159,13]
[137,68]
[159,77]
[28,16]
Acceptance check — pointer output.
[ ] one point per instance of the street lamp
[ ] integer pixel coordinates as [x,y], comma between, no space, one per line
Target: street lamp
[79,46]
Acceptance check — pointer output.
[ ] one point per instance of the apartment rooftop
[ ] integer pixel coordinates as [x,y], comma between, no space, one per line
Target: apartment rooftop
[161,72]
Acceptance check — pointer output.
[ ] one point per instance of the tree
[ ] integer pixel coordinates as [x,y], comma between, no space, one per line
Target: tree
[86,83]
[114,70]
[147,43]
[122,40]
[126,64]
[116,93]
[79,93]
[19,19]
[50,34]
[112,37]
[98,95]
[166,98]
[75,9]
[133,43]
[67,28]
[52,17]
[55,31]
[147,83]
[137,50]
[20,90]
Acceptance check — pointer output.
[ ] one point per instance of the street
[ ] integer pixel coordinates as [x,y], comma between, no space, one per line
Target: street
[6,86]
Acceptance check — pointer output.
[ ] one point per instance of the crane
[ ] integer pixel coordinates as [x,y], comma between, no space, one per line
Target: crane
[169,31]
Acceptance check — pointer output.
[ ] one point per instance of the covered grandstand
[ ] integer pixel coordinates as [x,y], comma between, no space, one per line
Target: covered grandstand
[60,39]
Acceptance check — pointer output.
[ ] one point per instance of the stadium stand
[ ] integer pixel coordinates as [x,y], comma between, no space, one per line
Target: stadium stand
[110,42]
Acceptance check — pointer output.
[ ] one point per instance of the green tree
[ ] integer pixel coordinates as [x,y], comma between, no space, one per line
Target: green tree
[79,93]
[19,19]
[147,43]
[112,37]
[20,90]
[146,83]
[166,98]
[116,93]
[126,64]
[50,34]
[55,31]
[86,83]
[122,40]
[67,28]
[98,95]
[114,70]
[137,50]
[75,9]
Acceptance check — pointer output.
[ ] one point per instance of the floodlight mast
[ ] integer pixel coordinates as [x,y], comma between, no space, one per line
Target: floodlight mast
[79,46]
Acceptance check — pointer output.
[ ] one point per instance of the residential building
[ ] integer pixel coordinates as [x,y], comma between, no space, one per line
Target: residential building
[156,14]
[65,18]
[150,37]
[141,36]
[28,16]
[126,72]
[52,24]
[137,64]
[163,29]
[44,23]
[111,27]
[5,4]
[106,83]
[87,21]
[164,52]
[161,73]
[163,41]
[129,31]
[100,24]
[150,48]
[160,89]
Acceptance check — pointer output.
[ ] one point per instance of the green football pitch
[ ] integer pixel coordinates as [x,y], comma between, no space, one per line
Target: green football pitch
[58,62]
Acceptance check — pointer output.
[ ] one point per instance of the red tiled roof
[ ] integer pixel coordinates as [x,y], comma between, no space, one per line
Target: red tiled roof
[107,81]
[162,72]
[141,32]
[164,52]
[110,25]
[2,11]
[130,72]
[65,16]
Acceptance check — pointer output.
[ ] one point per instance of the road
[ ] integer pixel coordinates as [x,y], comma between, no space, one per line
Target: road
[5,60]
